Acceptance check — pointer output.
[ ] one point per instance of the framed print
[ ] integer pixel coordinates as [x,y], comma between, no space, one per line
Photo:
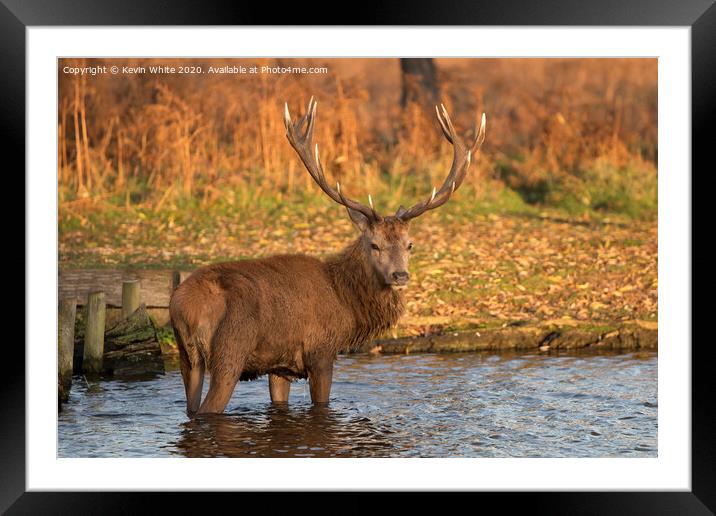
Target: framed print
[430,252]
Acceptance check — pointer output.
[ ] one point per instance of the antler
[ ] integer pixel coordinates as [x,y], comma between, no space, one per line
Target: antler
[302,141]
[460,163]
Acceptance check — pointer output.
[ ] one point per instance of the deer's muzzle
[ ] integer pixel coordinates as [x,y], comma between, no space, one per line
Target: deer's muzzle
[400,279]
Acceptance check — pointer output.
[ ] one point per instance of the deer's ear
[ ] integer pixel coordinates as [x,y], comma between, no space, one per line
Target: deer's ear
[360,220]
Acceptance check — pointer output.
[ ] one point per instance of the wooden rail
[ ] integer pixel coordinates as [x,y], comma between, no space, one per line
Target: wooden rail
[156,285]
[106,297]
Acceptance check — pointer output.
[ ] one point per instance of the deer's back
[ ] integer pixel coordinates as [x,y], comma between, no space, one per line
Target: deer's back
[286,303]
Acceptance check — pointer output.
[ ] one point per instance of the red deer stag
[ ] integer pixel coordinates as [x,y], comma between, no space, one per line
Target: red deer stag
[288,316]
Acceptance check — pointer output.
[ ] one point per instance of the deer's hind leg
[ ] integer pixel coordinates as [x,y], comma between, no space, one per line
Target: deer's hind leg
[221,387]
[191,365]
[230,348]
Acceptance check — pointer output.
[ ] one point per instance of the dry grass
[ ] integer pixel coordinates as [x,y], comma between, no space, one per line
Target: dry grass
[466,267]
[183,170]
[555,128]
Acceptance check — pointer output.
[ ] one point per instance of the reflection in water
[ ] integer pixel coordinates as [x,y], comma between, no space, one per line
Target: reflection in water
[456,405]
[282,431]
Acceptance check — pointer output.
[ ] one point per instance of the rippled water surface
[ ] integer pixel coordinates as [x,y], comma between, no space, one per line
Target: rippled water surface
[456,405]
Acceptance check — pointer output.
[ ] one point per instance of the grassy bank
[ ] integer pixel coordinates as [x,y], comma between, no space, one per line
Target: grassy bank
[484,259]
[556,219]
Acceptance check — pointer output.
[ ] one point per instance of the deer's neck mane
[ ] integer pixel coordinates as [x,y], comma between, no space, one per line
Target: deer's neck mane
[375,307]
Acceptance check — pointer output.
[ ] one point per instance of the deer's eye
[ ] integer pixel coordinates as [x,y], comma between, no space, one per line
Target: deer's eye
[410,246]
[373,246]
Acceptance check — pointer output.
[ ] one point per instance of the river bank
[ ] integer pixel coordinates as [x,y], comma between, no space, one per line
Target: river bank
[547,336]
[483,268]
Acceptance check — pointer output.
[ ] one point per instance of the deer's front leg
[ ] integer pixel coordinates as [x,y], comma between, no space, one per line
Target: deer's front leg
[279,388]
[320,377]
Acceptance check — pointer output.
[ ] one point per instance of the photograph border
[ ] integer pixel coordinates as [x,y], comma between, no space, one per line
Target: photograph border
[16,16]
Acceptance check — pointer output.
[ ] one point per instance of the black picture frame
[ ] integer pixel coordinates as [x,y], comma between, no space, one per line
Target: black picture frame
[17,15]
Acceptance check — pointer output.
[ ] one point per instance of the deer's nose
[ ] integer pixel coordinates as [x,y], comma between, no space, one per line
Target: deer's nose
[401,277]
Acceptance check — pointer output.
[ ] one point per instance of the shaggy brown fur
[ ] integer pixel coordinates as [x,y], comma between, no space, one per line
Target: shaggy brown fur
[287,316]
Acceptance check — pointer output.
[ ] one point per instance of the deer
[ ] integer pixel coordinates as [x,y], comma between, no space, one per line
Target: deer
[289,316]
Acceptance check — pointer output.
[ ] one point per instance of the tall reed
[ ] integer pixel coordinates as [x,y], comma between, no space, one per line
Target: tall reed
[149,137]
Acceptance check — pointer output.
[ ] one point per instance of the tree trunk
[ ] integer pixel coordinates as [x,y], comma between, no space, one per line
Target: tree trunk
[419,81]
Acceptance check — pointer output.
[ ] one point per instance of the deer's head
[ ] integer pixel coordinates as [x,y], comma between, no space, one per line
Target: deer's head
[384,240]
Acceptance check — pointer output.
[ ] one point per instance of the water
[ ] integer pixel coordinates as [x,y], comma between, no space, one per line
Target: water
[450,405]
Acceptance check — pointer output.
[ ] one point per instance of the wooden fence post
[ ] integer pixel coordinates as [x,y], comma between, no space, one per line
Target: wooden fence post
[178,277]
[94,333]
[130,297]
[66,346]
